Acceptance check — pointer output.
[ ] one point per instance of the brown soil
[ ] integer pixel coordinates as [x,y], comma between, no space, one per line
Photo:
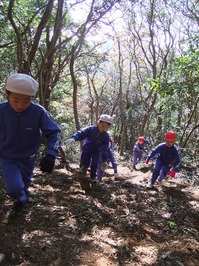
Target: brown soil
[113,223]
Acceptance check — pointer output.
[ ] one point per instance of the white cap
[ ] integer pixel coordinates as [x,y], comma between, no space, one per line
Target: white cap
[106,118]
[22,84]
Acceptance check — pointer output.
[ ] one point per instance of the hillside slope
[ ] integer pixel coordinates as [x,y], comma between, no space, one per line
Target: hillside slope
[71,222]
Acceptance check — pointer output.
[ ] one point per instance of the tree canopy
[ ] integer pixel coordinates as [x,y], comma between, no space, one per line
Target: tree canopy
[136,60]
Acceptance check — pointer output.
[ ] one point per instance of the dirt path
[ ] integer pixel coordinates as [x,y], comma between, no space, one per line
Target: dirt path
[70,222]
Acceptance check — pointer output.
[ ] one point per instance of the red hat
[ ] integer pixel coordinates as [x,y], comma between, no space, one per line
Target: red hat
[170,136]
[141,139]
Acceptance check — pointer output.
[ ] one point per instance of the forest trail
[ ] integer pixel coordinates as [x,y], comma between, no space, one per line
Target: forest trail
[113,223]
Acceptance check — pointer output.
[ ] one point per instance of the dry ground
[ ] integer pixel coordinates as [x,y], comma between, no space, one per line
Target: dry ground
[114,223]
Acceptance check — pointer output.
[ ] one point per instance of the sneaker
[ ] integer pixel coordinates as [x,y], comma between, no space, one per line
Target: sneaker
[17,208]
[150,185]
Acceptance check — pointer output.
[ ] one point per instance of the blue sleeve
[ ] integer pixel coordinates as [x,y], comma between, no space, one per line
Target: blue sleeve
[154,152]
[52,132]
[178,162]
[81,134]
[177,166]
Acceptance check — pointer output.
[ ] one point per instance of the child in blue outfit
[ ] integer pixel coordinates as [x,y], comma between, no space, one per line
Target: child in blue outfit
[168,160]
[95,139]
[21,124]
[110,158]
[138,150]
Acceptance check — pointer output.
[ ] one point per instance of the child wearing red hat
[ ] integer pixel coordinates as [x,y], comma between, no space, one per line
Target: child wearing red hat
[168,159]
[138,150]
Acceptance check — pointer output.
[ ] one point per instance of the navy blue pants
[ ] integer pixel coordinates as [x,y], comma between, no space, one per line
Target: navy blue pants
[137,157]
[160,171]
[90,159]
[17,176]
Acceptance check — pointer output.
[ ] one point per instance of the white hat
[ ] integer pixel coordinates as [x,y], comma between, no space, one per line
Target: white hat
[106,118]
[22,84]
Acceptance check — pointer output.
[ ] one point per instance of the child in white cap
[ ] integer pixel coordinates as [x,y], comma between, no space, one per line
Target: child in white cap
[95,139]
[21,123]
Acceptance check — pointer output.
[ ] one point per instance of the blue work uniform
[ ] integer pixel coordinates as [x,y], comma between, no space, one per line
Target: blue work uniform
[167,158]
[94,142]
[106,156]
[20,139]
[138,150]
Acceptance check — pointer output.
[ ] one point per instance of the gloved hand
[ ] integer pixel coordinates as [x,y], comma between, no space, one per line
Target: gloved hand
[104,166]
[47,163]
[116,175]
[69,141]
[147,161]
[172,173]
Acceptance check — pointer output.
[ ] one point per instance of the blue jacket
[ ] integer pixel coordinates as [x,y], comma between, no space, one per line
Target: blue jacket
[20,133]
[169,156]
[93,139]
[140,147]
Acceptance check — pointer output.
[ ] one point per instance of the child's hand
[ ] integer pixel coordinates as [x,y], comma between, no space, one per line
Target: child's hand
[172,173]
[47,163]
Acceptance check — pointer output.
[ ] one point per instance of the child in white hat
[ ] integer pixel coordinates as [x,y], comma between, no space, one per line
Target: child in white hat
[95,139]
[21,123]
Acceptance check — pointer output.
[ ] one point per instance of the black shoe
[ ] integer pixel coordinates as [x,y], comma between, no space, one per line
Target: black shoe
[17,208]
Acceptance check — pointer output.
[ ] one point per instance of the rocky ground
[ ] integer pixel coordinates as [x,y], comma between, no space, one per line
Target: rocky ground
[71,222]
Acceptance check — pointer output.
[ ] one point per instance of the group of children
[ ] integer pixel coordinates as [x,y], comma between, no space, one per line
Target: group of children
[168,160]
[23,124]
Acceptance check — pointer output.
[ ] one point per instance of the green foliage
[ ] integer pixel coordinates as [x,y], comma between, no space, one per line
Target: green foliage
[171,224]
[154,85]
[175,229]
[183,76]
[165,102]
[176,92]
